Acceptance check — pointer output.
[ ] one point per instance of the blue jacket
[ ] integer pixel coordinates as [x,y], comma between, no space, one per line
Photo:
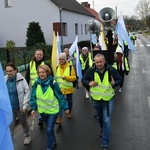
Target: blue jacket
[45,84]
[89,75]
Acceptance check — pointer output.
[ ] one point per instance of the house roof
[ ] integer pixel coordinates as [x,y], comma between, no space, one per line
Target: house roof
[72,5]
[92,11]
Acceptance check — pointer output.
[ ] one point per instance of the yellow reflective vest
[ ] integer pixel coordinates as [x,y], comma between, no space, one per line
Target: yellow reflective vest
[33,72]
[63,84]
[104,90]
[126,65]
[88,59]
[46,102]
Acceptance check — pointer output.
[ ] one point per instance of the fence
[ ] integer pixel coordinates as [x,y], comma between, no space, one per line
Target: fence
[21,56]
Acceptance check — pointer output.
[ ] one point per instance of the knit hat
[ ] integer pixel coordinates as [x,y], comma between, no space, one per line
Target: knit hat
[62,56]
[97,47]
[119,50]
[85,48]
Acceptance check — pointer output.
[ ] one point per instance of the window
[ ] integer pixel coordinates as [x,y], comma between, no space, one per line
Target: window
[85,29]
[81,29]
[8,3]
[76,29]
[61,30]
[64,29]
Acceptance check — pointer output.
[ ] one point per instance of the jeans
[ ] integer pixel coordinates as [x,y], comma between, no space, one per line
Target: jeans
[70,103]
[104,112]
[50,121]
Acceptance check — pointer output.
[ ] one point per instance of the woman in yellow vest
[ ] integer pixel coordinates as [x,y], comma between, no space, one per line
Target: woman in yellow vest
[65,75]
[46,98]
[101,80]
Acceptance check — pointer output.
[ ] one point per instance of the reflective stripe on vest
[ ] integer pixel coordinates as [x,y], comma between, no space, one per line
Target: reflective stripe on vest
[33,72]
[125,43]
[47,103]
[63,83]
[126,64]
[104,89]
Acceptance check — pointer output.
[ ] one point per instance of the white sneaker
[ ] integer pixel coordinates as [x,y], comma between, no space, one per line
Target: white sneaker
[27,140]
[86,94]
[120,90]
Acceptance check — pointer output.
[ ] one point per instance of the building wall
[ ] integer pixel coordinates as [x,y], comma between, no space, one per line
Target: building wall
[14,21]
[73,19]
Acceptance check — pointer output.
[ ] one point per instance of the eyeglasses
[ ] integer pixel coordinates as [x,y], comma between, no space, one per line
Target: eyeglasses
[9,70]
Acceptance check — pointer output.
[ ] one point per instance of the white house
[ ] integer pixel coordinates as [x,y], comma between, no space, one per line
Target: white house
[68,17]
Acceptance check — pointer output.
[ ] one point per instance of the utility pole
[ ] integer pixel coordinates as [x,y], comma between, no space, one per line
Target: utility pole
[93,4]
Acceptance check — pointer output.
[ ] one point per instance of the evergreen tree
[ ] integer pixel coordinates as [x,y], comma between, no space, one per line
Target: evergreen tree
[34,34]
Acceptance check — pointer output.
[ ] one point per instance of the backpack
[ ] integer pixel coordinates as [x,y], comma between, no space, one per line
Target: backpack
[75,83]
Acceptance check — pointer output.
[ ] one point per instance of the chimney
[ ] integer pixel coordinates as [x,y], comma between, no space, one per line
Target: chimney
[86,4]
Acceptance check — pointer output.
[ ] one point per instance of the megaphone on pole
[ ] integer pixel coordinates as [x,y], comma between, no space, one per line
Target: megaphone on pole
[107,14]
[93,26]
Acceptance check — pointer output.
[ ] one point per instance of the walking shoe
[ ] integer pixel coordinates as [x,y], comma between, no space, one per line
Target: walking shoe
[120,90]
[54,144]
[100,133]
[69,116]
[40,123]
[59,120]
[105,148]
[27,140]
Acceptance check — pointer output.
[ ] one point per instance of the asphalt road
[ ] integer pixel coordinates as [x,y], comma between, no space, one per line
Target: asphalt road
[130,120]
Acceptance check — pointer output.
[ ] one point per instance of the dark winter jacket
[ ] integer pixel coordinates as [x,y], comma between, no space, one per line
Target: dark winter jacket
[89,75]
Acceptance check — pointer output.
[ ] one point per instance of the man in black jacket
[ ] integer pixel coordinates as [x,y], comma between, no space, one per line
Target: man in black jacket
[101,79]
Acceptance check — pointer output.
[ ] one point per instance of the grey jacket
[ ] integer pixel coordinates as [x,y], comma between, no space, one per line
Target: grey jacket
[23,91]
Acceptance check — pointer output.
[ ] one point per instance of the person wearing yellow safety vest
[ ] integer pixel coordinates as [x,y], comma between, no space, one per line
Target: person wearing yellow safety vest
[46,98]
[72,62]
[101,79]
[31,72]
[121,64]
[70,59]
[86,62]
[38,59]
[126,48]
[133,38]
[65,75]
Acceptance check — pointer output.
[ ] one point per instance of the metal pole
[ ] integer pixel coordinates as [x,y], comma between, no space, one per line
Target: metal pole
[60,12]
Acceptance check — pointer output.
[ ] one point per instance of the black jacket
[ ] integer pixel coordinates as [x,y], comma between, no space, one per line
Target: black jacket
[27,75]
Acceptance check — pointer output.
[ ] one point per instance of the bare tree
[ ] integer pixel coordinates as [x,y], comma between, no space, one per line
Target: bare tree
[143,9]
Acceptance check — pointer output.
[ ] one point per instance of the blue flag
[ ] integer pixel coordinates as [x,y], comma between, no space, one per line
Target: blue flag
[73,48]
[94,38]
[5,115]
[78,64]
[122,33]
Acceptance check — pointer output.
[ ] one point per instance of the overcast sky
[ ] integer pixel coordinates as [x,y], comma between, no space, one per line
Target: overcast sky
[125,6]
